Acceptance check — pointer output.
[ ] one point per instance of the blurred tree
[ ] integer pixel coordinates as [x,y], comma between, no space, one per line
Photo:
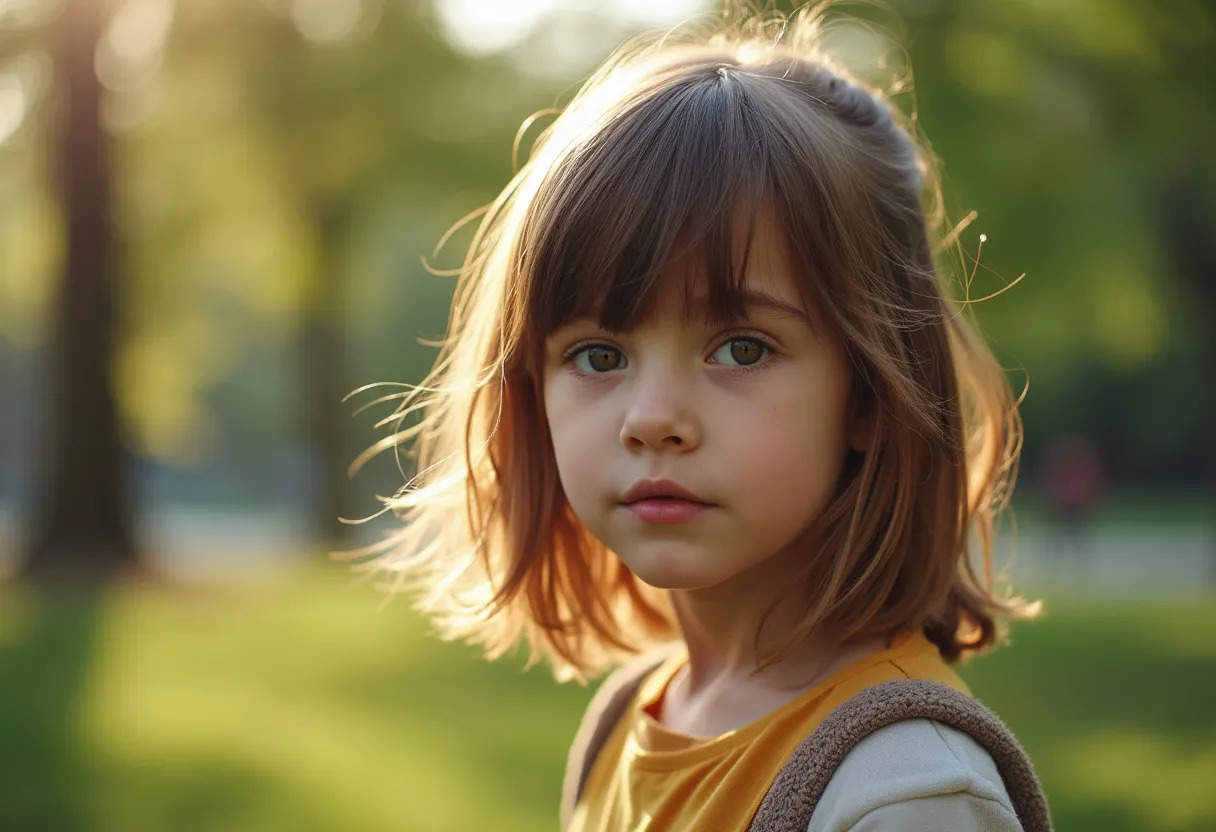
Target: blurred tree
[342,120]
[84,522]
[278,173]
[291,130]
[1188,217]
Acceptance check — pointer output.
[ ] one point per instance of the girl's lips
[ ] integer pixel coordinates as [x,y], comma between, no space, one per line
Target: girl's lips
[648,489]
[667,510]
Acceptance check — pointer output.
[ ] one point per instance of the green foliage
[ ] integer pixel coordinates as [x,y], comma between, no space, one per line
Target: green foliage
[257,153]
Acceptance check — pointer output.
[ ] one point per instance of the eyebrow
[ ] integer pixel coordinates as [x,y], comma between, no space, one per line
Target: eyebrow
[753,299]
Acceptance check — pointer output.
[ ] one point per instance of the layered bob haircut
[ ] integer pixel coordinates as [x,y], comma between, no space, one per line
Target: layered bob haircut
[658,156]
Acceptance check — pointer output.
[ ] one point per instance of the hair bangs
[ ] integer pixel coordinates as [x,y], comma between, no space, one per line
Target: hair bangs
[678,177]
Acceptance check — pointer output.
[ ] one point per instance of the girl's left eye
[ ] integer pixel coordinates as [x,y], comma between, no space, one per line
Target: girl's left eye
[593,359]
[741,352]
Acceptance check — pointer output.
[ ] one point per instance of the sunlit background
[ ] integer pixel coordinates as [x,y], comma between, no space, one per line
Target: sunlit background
[213,221]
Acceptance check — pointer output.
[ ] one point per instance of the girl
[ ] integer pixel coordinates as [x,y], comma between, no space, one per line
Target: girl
[703,388]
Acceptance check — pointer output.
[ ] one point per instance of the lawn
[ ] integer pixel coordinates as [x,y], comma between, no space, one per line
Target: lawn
[305,705]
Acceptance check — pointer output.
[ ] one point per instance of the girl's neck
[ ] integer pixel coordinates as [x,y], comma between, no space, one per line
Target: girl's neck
[720,688]
[723,648]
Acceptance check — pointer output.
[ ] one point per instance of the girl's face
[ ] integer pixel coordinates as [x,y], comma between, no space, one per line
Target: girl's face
[749,419]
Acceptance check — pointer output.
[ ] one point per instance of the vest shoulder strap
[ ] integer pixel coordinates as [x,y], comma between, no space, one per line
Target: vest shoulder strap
[794,794]
[602,715]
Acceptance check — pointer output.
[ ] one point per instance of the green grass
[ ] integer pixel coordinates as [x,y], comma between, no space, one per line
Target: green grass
[303,705]
[1116,704]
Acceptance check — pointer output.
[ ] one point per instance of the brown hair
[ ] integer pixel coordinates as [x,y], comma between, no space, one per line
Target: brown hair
[660,150]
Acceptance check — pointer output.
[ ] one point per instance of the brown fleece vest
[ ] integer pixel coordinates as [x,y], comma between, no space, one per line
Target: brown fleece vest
[791,800]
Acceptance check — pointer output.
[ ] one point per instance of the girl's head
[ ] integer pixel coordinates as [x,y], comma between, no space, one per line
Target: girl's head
[715,269]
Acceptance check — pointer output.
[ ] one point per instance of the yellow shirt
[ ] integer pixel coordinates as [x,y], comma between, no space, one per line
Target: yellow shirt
[650,778]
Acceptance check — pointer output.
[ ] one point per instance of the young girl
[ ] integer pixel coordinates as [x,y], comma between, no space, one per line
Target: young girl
[703,392]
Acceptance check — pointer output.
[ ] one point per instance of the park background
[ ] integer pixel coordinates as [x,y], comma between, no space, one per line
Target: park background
[213,219]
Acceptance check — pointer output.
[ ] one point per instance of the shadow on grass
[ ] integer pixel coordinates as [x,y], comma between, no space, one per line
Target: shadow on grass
[52,779]
[46,647]
[301,707]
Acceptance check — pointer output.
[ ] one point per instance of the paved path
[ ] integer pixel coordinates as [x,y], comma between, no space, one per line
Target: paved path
[1113,560]
[1110,561]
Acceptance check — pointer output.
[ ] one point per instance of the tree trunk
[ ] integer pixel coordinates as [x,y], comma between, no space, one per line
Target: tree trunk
[1187,211]
[323,378]
[83,528]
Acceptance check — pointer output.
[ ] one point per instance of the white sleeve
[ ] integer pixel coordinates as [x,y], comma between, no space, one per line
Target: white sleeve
[957,812]
[916,775]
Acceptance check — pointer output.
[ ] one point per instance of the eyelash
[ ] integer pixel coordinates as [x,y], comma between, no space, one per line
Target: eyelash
[570,354]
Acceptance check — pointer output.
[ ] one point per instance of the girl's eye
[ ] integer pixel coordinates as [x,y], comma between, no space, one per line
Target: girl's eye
[598,358]
[741,352]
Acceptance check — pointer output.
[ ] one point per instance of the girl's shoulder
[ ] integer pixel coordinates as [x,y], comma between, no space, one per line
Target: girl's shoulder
[916,774]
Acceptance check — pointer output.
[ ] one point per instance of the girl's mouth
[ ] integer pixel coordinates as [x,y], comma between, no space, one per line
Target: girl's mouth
[667,510]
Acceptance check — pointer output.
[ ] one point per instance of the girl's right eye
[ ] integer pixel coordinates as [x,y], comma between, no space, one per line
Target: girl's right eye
[596,358]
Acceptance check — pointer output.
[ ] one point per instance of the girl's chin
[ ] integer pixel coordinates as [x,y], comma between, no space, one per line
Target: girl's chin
[683,570]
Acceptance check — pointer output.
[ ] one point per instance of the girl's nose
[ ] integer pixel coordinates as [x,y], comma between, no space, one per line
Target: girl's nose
[660,418]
